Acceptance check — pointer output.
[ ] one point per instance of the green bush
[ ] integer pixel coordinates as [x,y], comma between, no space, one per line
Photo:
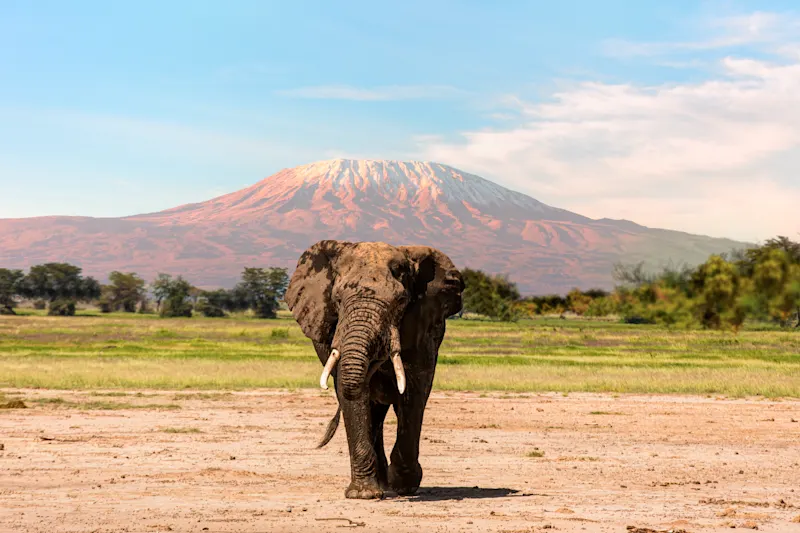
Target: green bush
[62,307]
[174,308]
[205,308]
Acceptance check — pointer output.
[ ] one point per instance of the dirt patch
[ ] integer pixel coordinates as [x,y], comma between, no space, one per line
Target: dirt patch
[251,465]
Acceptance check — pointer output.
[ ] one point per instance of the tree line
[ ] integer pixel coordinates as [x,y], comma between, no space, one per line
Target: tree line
[59,287]
[759,283]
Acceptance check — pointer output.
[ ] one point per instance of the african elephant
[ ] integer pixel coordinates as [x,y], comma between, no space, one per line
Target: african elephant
[376,316]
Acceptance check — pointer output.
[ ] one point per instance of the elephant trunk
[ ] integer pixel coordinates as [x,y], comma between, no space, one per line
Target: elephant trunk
[358,337]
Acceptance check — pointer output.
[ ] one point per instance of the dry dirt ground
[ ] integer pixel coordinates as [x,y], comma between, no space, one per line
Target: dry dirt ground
[627,463]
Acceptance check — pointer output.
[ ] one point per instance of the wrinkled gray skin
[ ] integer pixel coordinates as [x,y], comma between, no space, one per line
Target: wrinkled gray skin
[346,296]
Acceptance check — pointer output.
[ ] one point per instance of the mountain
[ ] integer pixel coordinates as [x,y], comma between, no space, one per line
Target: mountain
[478,223]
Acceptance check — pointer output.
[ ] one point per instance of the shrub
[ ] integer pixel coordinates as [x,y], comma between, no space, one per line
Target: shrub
[603,306]
[62,307]
[207,309]
[173,308]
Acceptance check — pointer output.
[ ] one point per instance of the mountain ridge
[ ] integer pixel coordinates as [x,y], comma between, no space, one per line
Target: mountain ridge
[479,223]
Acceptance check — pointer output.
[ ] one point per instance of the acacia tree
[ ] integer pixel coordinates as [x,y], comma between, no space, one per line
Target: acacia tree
[160,288]
[60,284]
[261,289]
[125,291]
[173,296]
[9,289]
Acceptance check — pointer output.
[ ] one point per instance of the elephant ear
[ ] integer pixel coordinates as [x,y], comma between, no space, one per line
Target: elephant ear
[437,283]
[309,292]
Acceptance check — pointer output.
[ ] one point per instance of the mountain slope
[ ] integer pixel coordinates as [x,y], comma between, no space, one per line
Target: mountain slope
[478,223]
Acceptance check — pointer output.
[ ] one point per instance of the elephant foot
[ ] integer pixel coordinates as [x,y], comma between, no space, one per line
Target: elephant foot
[405,481]
[364,490]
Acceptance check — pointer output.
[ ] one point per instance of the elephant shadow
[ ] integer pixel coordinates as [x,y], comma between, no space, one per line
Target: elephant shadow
[436,494]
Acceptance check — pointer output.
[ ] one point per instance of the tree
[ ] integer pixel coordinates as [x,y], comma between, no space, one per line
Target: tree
[657,303]
[719,294]
[603,306]
[215,303]
[775,286]
[631,274]
[173,296]
[126,291]
[749,258]
[492,296]
[578,302]
[9,288]
[261,289]
[160,288]
[60,284]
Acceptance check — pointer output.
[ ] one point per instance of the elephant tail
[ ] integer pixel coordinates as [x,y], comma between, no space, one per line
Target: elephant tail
[332,425]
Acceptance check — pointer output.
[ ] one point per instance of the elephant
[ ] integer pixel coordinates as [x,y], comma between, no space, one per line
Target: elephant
[375,314]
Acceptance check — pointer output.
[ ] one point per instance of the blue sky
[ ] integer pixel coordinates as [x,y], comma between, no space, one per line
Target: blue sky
[683,115]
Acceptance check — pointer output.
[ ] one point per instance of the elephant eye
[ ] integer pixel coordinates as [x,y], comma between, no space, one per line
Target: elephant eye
[397,269]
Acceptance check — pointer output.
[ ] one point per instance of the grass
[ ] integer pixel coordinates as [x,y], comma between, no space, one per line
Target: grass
[180,430]
[109,353]
[100,405]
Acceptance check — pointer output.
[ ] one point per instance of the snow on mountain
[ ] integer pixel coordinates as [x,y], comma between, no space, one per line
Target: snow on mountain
[477,222]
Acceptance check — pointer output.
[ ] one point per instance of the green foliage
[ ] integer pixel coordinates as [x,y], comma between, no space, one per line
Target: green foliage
[209,310]
[775,286]
[260,290]
[719,294]
[9,288]
[760,283]
[603,306]
[578,302]
[659,304]
[125,291]
[491,296]
[62,307]
[173,296]
[213,304]
[60,284]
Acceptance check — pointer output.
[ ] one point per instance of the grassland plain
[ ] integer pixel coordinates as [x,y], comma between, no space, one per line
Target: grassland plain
[117,351]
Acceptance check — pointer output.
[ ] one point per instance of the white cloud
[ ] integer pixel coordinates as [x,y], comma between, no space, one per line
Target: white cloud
[384,93]
[716,157]
[757,28]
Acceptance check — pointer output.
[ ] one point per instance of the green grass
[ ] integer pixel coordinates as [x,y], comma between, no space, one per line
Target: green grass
[115,352]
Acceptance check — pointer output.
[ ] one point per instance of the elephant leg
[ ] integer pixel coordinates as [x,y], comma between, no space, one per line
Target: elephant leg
[378,413]
[405,472]
[363,460]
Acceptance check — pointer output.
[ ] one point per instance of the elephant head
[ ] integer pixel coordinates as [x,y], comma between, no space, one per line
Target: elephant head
[352,297]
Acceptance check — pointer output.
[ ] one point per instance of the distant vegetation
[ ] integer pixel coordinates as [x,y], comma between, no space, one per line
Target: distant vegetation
[59,287]
[140,340]
[760,284]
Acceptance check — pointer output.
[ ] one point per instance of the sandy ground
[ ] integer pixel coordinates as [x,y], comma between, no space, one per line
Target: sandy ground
[609,464]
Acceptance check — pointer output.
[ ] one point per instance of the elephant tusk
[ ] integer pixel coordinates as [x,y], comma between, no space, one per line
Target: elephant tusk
[397,363]
[329,365]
